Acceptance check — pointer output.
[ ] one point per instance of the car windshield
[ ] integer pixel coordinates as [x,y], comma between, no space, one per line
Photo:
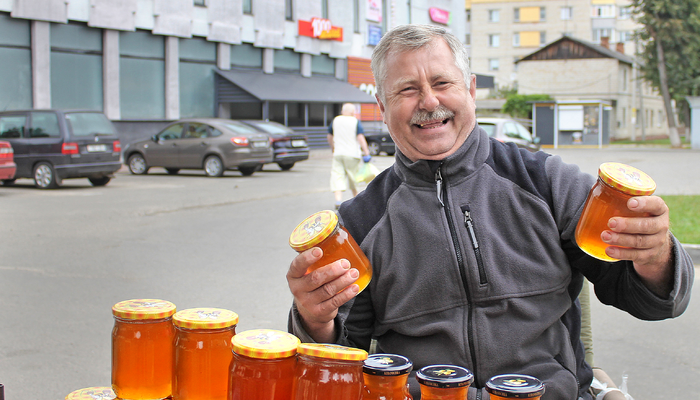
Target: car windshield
[489,128]
[271,127]
[89,123]
[239,128]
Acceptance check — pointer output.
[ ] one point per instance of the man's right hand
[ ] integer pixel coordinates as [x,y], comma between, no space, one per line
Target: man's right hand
[319,294]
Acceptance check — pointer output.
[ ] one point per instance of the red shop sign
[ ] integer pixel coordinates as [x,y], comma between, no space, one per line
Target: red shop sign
[320,28]
[439,15]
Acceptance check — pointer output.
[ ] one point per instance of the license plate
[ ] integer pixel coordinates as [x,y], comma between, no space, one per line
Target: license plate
[92,148]
[298,143]
[260,144]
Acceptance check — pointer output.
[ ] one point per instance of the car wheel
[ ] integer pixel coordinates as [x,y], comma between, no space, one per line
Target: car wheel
[172,171]
[374,148]
[213,166]
[101,181]
[8,182]
[285,166]
[137,164]
[45,176]
[247,171]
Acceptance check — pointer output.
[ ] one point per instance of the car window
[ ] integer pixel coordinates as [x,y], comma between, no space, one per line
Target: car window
[195,130]
[489,128]
[12,126]
[89,123]
[510,130]
[215,132]
[44,124]
[173,132]
[272,127]
[240,128]
[524,133]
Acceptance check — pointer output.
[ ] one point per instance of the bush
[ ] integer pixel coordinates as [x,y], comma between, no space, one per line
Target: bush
[517,105]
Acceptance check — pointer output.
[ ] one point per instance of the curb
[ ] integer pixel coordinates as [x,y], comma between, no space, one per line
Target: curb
[694,251]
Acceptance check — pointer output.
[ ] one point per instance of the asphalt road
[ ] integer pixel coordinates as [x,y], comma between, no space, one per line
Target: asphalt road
[68,255]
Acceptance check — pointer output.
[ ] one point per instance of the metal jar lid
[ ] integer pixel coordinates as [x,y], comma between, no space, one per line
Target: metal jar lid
[143,309]
[265,344]
[444,376]
[387,365]
[332,351]
[313,230]
[626,179]
[205,318]
[92,393]
[515,386]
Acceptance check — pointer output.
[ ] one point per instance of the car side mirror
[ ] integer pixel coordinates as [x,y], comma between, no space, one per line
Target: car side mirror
[154,138]
[536,140]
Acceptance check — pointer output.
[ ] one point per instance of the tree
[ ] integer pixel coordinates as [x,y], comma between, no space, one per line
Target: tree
[670,46]
[518,106]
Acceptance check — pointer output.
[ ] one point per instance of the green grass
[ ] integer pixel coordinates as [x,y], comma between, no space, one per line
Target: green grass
[685,217]
[655,141]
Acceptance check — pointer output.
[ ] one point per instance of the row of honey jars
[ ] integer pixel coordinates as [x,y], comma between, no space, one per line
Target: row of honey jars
[159,353]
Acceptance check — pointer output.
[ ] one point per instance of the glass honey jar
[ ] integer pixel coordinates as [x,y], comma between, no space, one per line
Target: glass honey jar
[323,230]
[92,393]
[385,377]
[203,355]
[444,382]
[327,371]
[617,183]
[514,386]
[142,349]
[263,365]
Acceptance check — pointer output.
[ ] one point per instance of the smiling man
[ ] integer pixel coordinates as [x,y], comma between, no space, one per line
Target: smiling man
[472,241]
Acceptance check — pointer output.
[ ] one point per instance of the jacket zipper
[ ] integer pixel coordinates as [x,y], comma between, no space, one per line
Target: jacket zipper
[442,194]
[469,223]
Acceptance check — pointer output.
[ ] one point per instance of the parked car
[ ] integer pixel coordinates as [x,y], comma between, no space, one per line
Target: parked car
[379,142]
[288,146]
[508,130]
[7,162]
[52,145]
[212,144]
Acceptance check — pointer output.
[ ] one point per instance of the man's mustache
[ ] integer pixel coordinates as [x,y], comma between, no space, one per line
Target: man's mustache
[441,113]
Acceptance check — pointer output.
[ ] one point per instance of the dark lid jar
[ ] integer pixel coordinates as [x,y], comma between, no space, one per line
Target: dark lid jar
[514,386]
[444,382]
[385,377]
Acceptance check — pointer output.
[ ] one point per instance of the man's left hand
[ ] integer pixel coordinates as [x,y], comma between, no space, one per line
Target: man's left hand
[645,240]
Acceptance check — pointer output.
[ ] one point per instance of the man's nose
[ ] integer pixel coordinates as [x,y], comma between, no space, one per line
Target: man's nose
[429,100]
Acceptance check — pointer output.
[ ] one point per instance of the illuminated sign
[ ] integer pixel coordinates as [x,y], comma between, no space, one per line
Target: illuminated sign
[374,34]
[374,10]
[439,15]
[320,28]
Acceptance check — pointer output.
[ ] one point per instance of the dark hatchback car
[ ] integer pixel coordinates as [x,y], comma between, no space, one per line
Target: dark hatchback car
[52,145]
[212,144]
[288,146]
[380,142]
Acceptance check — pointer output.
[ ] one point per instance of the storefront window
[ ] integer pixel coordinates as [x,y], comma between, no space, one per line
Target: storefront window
[287,60]
[197,65]
[323,65]
[246,55]
[141,75]
[16,65]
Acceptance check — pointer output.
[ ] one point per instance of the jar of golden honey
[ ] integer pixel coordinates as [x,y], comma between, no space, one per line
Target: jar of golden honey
[323,230]
[92,393]
[263,365]
[142,349]
[617,183]
[514,386]
[385,377]
[444,382]
[203,353]
[328,371]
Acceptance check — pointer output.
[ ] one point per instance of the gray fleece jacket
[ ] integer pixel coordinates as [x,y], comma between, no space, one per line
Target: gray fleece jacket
[475,265]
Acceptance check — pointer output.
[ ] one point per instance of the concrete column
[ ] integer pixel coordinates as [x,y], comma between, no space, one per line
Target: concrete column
[110,74]
[340,68]
[41,64]
[269,61]
[172,78]
[223,56]
[306,65]
[694,102]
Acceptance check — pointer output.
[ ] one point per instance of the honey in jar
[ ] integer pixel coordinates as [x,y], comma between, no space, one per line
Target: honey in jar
[385,377]
[323,230]
[263,365]
[142,349]
[203,353]
[444,382]
[92,393]
[327,371]
[514,386]
[617,183]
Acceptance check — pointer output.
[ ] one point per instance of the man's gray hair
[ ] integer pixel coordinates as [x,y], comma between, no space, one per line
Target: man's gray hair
[414,37]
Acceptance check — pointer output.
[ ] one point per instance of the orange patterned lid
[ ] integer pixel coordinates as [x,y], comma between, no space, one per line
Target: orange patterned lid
[313,230]
[143,309]
[92,393]
[332,351]
[265,343]
[205,318]
[626,179]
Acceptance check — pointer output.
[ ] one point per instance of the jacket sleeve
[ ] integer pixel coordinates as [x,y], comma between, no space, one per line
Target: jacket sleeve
[616,283]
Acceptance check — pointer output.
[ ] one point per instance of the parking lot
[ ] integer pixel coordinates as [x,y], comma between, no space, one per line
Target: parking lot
[67,255]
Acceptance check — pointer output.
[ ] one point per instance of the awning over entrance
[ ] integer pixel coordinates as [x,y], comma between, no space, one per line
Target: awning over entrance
[240,86]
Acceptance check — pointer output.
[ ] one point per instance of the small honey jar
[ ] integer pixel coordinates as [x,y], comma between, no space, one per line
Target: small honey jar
[328,371]
[444,382]
[263,365]
[203,353]
[323,230]
[514,386]
[92,393]
[386,377]
[617,183]
[142,349]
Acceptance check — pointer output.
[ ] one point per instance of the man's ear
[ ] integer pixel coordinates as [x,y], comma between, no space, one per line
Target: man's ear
[381,107]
